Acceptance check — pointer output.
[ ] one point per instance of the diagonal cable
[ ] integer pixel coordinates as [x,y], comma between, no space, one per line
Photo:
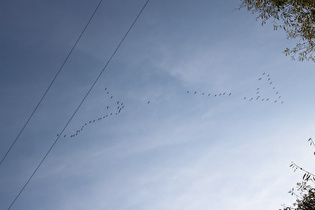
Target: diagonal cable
[43,159]
[61,67]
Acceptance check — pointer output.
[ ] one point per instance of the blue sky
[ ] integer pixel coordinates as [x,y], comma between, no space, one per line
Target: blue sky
[166,148]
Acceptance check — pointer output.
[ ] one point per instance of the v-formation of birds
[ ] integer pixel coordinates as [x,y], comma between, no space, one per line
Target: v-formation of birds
[266,91]
[264,81]
[118,108]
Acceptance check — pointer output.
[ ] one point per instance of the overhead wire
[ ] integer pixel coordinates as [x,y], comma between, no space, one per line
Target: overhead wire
[51,83]
[100,74]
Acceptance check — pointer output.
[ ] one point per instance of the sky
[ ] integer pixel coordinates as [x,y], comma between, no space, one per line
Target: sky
[198,109]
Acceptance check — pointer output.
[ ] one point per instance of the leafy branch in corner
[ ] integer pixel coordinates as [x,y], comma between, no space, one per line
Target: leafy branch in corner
[305,190]
[295,17]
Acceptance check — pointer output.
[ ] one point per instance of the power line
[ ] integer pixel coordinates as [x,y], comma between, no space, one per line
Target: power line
[61,67]
[43,159]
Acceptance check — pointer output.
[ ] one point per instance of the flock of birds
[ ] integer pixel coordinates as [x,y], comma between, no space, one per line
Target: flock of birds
[209,94]
[118,108]
[266,85]
[264,80]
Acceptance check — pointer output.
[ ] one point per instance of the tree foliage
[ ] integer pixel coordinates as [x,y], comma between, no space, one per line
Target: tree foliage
[295,17]
[305,190]
[305,196]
